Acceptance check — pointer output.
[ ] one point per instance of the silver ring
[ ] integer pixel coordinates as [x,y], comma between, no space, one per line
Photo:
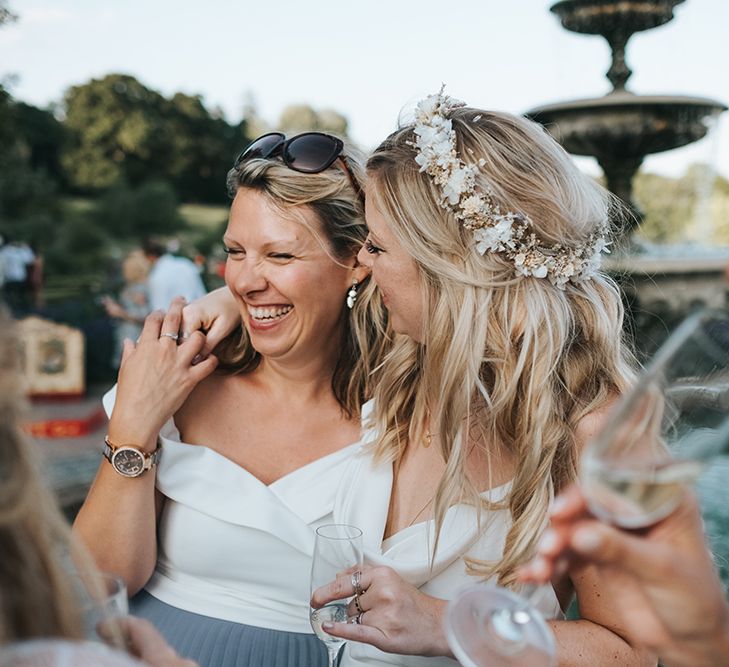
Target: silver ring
[358,618]
[356,578]
[173,336]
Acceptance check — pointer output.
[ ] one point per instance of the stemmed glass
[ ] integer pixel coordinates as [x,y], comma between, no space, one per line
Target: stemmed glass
[338,547]
[661,434]
[490,626]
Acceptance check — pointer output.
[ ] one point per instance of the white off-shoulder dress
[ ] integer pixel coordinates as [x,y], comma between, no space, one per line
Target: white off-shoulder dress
[231,584]
[363,500]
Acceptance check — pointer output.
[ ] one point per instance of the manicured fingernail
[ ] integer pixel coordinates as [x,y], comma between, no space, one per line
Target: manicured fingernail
[548,542]
[586,540]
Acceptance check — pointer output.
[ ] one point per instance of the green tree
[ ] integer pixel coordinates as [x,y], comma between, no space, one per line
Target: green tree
[693,208]
[121,131]
[6,16]
[303,118]
[27,190]
[117,133]
[202,149]
[129,213]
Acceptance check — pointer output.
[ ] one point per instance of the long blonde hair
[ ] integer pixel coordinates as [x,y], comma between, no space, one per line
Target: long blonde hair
[338,207]
[37,595]
[511,363]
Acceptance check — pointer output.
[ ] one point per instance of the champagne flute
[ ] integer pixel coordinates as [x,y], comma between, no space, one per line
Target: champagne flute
[104,599]
[338,547]
[490,626]
[662,432]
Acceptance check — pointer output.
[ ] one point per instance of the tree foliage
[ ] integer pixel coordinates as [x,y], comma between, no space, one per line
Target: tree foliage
[122,131]
[302,118]
[6,16]
[690,209]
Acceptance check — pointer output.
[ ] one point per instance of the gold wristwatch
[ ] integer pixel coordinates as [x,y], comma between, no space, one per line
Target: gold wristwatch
[129,460]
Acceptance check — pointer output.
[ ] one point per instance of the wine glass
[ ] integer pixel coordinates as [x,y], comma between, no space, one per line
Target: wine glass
[490,626]
[662,432]
[103,597]
[338,547]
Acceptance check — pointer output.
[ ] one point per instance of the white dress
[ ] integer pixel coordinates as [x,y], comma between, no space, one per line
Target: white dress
[231,547]
[363,501]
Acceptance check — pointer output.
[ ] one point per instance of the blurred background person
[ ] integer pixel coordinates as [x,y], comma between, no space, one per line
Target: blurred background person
[170,276]
[134,302]
[17,258]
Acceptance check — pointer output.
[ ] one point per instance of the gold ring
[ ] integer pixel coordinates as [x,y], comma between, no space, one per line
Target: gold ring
[357,605]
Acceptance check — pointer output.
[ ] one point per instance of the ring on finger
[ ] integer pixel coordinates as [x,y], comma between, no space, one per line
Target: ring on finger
[173,336]
[357,605]
[356,579]
[358,618]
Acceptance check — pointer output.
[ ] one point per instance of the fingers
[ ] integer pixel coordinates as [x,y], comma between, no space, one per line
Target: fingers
[338,589]
[173,318]
[358,632]
[152,326]
[568,505]
[217,332]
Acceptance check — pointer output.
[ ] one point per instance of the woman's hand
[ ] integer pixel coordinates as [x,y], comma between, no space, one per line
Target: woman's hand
[671,598]
[155,378]
[217,314]
[393,615]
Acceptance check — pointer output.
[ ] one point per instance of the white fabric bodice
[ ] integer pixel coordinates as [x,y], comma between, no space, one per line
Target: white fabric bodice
[232,547]
[364,499]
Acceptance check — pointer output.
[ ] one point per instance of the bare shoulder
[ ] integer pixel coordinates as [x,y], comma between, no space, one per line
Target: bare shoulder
[591,424]
[207,394]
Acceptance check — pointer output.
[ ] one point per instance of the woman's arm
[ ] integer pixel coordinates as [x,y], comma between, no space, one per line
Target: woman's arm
[118,519]
[599,637]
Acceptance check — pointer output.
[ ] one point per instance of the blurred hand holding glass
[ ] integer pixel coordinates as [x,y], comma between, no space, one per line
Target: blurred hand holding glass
[665,429]
[655,441]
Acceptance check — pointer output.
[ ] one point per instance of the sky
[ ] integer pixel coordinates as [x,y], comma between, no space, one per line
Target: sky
[369,60]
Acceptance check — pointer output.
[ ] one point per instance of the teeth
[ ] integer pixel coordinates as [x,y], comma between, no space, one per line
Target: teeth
[268,313]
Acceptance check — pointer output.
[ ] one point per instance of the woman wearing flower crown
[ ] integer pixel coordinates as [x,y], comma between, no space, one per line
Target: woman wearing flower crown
[484,242]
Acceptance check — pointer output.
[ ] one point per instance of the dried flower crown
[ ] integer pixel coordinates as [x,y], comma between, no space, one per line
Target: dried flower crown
[494,230]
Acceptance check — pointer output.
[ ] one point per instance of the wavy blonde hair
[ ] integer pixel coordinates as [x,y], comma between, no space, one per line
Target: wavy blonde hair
[39,595]
[338,207]
[511,362]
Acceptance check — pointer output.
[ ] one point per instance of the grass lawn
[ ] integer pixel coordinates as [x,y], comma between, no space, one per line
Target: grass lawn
[207,217]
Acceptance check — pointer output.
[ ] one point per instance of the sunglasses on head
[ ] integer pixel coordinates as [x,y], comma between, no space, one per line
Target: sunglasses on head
[309,153]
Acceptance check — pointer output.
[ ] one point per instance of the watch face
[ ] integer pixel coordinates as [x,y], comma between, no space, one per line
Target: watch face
[128,462]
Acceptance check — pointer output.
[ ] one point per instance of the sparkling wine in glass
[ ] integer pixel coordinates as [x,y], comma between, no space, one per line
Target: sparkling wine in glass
[662,432]
[490,626]
[338,547]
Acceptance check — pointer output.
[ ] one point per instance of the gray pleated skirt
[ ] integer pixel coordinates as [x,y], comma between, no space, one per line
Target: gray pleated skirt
[212,642]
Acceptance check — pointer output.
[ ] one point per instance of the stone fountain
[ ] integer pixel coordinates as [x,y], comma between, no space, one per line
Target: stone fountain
[619,130]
